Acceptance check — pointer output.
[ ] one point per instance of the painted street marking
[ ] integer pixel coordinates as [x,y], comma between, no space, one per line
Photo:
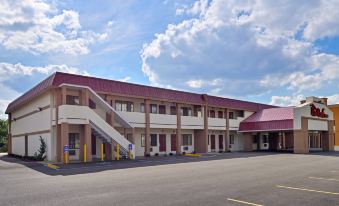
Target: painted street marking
[53,166]
[320,178]
[243,202]
[334,171]
[193,155]
[308,190]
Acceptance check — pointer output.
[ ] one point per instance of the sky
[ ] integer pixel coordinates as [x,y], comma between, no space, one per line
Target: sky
[275,52]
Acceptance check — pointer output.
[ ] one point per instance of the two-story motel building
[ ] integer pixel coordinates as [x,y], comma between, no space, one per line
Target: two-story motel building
[74,110]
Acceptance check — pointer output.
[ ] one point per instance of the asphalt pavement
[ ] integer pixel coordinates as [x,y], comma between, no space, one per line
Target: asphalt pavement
[256,178]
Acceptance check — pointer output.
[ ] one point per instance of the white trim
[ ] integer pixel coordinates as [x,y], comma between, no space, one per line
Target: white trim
[120,119]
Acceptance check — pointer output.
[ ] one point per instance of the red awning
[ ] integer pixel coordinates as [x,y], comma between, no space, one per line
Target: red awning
[273,119]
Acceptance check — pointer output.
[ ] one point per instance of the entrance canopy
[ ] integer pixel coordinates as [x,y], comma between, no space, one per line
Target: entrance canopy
[274,119]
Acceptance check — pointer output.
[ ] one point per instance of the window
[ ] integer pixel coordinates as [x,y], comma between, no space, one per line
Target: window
[142,107]
[255,139]
[186,111]
[74,141]
[72,100]
[154,140]
[162,109]
[153,108]
[240,113]
[231,138]
[186,140]
[143,140]
[212,113]
[92,105]
[265,138]
[199,112]
[231,115]
[129,137]
[124,106]
[220,114]
[173,110]
[118,105]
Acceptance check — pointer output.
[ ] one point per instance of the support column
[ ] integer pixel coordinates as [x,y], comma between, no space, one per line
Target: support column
[178,135]
[328,138]
[84,97]
[63,140]
[147,129]
[82,142]
[248,143]
[63,95]
[9,134]
[331,135]
[301,138]
[112,145]
[133,136]
[88,142]
[108,151]
[283,141]
[205,140]
[57,103]
[258,141]
[227,132]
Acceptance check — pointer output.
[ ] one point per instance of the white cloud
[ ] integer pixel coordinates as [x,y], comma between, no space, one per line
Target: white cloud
[3,105]
[286,100]
[126,79]
[333,99]
[251,46]
[7,95]
[195,83]
[8,72]
[198,8]
[295,100]
[37,27]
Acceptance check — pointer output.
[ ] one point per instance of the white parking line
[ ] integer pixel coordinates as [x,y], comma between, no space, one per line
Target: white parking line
[308,190]
[321,178]
[243,202]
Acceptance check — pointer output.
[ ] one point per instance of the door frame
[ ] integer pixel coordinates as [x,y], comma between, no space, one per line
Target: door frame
[212,136]
[173,142]
[162,139]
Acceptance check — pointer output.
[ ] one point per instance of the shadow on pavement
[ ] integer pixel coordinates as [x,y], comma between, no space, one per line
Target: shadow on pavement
[93,167]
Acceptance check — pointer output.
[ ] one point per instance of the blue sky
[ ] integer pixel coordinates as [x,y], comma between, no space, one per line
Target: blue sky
[273,52]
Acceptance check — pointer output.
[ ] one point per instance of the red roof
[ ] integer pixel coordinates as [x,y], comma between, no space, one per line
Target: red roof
[236,104]
[116,87]
[272,119]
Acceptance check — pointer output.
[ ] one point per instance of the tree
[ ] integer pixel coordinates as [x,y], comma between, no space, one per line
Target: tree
[3,135]
[41,154]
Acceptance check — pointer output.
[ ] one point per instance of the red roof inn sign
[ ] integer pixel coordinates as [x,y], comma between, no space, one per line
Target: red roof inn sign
[316,112]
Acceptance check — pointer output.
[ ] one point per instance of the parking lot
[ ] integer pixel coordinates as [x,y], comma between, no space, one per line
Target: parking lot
[258,178]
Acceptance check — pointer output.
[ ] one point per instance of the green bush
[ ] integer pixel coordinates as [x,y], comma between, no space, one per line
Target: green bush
[3,135]
[40,155]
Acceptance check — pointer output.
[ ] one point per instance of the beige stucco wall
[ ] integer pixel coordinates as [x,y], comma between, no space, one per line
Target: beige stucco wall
[38,121]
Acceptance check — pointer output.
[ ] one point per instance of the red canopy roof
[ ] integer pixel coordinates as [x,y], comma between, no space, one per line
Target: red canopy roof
[272,119]
[116,87]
